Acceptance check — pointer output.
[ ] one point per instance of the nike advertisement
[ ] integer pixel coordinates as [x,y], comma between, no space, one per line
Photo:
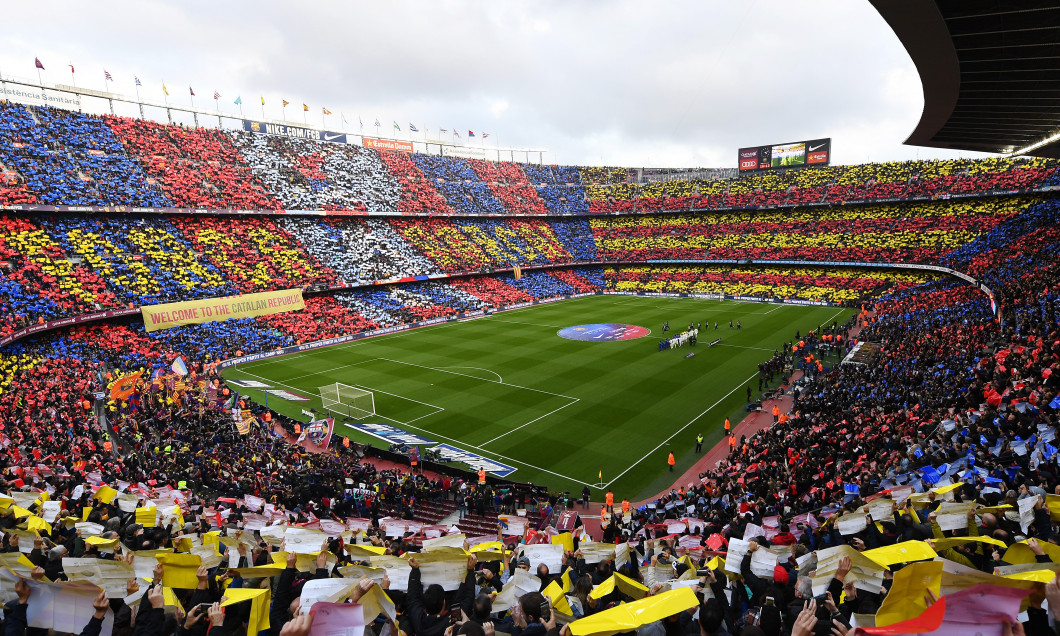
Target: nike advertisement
[797,154]
[293,131]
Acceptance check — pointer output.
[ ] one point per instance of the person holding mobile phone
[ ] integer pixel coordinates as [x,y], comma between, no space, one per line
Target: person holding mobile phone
[533,616]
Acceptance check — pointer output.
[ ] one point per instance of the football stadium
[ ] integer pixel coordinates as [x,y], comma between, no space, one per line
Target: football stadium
[298,371]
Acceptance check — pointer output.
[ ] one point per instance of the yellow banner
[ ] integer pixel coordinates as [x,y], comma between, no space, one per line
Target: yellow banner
[193,312]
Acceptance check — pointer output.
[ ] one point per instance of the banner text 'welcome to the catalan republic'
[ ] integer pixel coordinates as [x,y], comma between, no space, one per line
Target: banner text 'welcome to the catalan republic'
[194,312]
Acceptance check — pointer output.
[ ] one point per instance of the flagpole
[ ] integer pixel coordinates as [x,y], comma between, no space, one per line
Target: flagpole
[40,80]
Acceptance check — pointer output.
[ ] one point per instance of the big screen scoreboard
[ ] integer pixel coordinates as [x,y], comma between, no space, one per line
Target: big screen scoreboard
[799,154]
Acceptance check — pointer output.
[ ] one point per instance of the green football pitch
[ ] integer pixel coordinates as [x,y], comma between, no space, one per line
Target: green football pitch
[559,411]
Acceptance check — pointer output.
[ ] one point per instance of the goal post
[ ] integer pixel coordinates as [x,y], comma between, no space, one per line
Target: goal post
[346,400]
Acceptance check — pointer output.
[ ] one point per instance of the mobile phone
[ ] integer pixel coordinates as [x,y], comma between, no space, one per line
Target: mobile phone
[204,608]
[546,610]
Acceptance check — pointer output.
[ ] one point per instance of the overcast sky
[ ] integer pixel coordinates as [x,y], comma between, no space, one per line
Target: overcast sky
[669,84]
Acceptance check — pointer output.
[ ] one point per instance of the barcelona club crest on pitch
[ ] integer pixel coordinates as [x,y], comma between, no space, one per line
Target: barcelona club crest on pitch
[603,332]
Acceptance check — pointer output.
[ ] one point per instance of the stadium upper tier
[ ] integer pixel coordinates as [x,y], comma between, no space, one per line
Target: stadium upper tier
[55,157]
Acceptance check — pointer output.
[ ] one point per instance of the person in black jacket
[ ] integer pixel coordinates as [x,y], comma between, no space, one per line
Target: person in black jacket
[428,610]
[289,588]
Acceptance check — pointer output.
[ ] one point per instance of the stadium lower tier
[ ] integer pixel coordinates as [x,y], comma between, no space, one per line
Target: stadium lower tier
[59,266]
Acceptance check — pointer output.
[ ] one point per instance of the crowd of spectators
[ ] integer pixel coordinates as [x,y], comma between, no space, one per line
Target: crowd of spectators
[940,441]
[193,167]
[866,183]
[859,464]
[834,285]
[59,157]
[801,516]
[510,186]
[360,251]
[456,180]
[66,158]
[40,282]
[560,187]
[63,265]
[143,260]
[902,233]
[308,175]
[59,265]
[539,284]
[254,252]
[491,290]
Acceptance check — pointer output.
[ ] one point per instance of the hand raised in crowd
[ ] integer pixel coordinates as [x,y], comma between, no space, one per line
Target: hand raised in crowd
[806,620]
[216,614]
[193,617]
[101,604]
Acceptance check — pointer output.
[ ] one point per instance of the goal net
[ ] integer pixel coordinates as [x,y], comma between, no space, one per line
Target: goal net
[350,401]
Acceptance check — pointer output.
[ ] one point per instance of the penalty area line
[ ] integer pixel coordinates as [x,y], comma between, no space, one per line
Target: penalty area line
[448,439]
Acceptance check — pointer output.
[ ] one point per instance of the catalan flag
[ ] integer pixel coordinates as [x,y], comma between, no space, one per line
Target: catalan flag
[305,107]
[123,387]
[325,110]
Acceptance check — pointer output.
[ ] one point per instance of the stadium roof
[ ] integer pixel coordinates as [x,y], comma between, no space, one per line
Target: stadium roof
[990,71]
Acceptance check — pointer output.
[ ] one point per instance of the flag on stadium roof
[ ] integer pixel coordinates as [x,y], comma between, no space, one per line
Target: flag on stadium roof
[239,101]
[36,62]
[137,80]
[262,100]
[413,128]
[443,130]
[164,88]
[470,134]
[305,107]
[377,124]
[106,74]
[325,110]
[216,95]
[484,135]
[71,68]
[285,103]
[192,91]
[396,127]
[455,133]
